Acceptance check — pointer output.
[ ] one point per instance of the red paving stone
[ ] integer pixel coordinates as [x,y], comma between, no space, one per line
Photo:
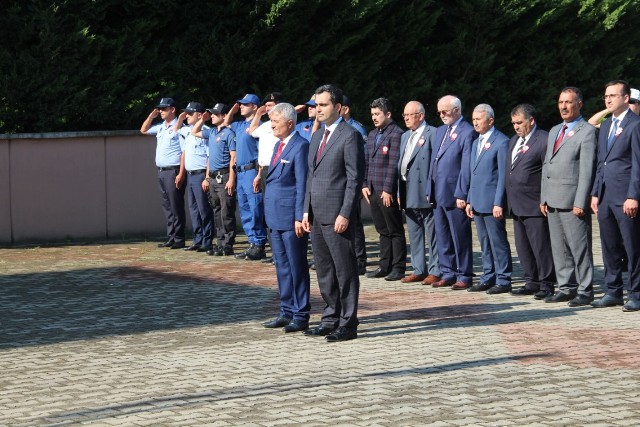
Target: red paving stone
[604,348]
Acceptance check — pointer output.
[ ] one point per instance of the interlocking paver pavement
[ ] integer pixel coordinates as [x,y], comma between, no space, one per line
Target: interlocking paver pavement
[128,334]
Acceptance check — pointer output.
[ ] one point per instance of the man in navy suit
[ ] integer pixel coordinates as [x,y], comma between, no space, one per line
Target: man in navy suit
[449,185]
[413,178]
[525,156]
[334,180]
[284,205]
[486,201]
[615,196]
[380,190]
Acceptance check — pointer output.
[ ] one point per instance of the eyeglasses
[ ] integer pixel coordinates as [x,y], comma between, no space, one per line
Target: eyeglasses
[411,114]
[446,112]
[615,95]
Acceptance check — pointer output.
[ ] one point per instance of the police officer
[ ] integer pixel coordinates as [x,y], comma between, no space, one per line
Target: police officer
[194,156]
[305,127]
[345,113]
[171,174]
[249,200]
[221,176]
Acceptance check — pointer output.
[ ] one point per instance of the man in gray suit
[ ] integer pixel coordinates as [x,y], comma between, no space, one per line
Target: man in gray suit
[336,171]
[567,177]
[413,174]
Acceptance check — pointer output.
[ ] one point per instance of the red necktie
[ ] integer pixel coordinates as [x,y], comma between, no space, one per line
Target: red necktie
[277,156]
[559,140]
[325,137]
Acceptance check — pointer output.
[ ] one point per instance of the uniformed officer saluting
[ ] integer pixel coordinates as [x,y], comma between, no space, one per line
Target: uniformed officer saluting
[221,176]
[194,158]
[171,172]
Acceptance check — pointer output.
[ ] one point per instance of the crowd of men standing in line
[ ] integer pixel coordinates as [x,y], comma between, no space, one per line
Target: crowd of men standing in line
[292,180]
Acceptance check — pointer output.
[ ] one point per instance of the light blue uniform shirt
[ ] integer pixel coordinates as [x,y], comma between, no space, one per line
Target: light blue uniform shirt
[358,126]
[195,149]
[168,148]
[304,128]
[220,145]
[246,145]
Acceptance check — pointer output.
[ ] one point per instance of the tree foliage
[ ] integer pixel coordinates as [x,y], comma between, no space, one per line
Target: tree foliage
[71,65]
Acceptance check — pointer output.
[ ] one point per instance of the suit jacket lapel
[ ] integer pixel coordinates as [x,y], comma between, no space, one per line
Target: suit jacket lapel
[570,134]
[422,137]
[333,137]
[621,127]
[482,150]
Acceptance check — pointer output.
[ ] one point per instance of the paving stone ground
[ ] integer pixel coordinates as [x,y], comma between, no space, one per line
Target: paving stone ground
[126,334]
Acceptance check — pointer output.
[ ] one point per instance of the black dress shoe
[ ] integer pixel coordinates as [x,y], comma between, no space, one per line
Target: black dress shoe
[243,254]
[227,251]
[267,260]
[580,300]
[215,251]
[394,275]
[320,331]
[375,274]
[278,322]
[480,287]
[607,301]
[255,253]
[559,297]
[192,248]
[296,326]
[499,289]
[177,246]
[540,295]
[342,334]
[631,305]
[205,248]
[166,244]
[523,291]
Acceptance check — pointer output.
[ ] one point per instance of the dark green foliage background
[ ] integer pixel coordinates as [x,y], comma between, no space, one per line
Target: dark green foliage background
[75,65]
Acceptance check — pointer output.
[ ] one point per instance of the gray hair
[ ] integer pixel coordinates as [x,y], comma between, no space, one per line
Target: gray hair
[486,108]
[286,110]
[454,102]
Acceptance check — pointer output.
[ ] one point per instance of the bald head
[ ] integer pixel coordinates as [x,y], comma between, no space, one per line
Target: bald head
[413,115]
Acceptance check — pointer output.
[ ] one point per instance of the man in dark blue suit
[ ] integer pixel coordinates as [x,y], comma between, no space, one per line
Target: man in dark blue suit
[284,206]
[615,196]
[450,177]
[486,202]
[527,149]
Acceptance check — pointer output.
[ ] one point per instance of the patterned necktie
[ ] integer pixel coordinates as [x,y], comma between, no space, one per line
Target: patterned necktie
[517,151]
[407,154]
[559,139]
[325,137]
[480,144]
[277,156]
[446,135]
[612,135]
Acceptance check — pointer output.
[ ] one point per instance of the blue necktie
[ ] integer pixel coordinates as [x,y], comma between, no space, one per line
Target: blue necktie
[612,135]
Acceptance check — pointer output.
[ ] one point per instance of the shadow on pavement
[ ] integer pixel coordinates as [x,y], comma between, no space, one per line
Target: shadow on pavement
[161,404]
[455,316]
[47,308]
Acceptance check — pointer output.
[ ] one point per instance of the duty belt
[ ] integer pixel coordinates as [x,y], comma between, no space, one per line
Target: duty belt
[247,167]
